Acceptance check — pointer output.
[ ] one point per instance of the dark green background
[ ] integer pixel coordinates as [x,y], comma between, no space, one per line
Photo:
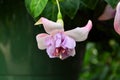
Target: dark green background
[20,58]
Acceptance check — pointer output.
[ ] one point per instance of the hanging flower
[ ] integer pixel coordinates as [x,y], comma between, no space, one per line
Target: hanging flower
[59,43]
[117,19]
[107,14]
[110,13]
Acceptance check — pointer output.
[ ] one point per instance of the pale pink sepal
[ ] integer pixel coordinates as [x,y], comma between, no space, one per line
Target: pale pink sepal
[41,40]
[49,25]
[107,14]
[117,19]
[80,34]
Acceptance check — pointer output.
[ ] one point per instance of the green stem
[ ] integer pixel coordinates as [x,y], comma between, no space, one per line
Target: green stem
[58,5]
[59,16]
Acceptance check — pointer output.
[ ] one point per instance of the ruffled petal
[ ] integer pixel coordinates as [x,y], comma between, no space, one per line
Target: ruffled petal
[63,56]
[117,19]
[41,40]
[51,51]
[58,39]
[80,34]
[107,14]
[71,52]
[68,43]
[49,25]
[50,43]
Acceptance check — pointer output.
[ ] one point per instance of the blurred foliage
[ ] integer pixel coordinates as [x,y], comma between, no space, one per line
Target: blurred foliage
[90,3]
[100,63]
[68,7]
[113,3]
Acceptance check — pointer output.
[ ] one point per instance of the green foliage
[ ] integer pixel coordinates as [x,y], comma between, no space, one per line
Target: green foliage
[35,7]
[113,3]
[50,10]
[101,64]
[70,7]
[90,3]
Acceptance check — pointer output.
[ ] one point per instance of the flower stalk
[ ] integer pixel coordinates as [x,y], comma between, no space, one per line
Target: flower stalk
[59,15]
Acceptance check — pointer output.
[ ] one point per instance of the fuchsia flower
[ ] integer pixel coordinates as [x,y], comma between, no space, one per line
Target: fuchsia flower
[59,43]
[110,13]
[107,14]
[117,19]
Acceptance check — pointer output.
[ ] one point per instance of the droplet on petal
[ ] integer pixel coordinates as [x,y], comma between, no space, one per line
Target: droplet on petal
[117,19]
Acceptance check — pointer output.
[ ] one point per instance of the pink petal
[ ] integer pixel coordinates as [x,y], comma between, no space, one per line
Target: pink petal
[50,51]
[50,43]
[80,34]
[58,39]
[41,40]
[117,19]
[69,43]
[71,52]
[49,25]
[108,13]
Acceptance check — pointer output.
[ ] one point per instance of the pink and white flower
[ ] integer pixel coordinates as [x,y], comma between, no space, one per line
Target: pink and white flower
[59,43]
[117,19]
[110,13]
[107,14]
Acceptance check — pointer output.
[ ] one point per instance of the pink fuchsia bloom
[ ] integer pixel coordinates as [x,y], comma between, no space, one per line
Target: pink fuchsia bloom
[107,14]
[110,13]
[117,19]
[59,43]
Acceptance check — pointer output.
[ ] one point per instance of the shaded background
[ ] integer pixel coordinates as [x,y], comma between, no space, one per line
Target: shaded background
[20,58]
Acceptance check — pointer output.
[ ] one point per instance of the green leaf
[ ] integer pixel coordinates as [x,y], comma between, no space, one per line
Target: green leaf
[90,3]
[113,3]
[35,7]
[70,7]
[50,11]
